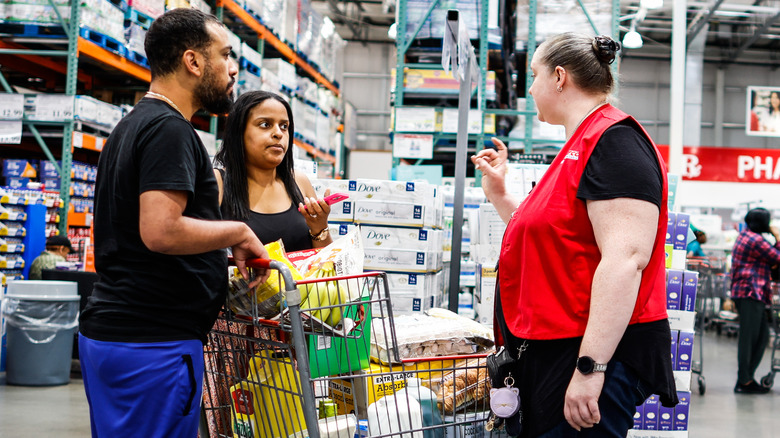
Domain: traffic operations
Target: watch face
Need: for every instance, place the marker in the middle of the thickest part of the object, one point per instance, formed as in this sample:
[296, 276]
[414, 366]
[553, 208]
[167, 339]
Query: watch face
[585, 364]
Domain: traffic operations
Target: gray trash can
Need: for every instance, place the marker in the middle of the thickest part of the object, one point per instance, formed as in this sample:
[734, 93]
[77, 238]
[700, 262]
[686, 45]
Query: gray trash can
[41, 319]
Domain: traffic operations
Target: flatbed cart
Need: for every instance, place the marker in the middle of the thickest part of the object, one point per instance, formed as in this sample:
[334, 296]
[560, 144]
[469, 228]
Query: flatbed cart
[774, 321]
[297, 376]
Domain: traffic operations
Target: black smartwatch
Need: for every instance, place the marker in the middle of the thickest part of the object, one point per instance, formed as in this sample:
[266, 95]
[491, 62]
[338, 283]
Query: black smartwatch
[586, 365]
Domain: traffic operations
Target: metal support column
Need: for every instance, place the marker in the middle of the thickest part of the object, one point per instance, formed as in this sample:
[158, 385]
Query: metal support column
[529, 101]
[464, 104]
[67, 134]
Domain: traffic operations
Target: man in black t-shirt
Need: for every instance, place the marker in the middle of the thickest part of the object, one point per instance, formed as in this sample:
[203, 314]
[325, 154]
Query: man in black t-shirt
[159, 241]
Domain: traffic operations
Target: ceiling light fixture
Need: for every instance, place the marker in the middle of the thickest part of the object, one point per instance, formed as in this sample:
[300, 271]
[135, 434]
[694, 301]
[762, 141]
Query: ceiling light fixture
[392, 32]
[651, 4]
[632, 39]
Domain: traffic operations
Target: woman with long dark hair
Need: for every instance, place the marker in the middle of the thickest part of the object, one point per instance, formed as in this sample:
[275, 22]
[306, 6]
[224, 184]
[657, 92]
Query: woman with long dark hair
[258, 184]
[751, 263]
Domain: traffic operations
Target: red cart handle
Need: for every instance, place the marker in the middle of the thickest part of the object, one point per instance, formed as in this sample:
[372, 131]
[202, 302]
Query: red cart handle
[253, 263]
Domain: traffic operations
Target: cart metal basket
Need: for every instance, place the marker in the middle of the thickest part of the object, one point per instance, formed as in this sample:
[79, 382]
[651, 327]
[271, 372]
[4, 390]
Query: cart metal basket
[297, 375]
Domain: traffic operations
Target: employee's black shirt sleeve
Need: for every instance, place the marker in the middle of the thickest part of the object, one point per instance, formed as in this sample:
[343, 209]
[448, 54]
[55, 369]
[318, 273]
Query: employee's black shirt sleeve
[623, 165]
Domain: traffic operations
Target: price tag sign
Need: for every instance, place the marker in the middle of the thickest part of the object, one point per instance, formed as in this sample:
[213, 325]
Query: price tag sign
[53, 107]
[10, 131]
[450, 121]
[415, 119]
[413, 146]
[11, 106]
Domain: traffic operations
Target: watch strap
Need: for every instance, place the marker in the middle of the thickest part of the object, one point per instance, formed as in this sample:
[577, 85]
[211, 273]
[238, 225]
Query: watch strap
[322, 235]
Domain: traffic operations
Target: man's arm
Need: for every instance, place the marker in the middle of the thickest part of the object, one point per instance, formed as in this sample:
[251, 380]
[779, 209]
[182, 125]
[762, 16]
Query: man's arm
[165, 229]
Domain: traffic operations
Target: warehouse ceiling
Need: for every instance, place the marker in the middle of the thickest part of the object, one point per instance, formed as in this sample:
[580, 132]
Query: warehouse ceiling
[742, 31]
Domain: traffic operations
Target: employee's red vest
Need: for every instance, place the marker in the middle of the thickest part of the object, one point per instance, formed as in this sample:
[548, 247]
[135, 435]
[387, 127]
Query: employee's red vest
[549, 253]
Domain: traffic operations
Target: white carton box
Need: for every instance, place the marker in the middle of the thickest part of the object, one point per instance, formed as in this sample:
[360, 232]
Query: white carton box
[340, 229]
[401, 260]
[409, 283]
[342, 211]
[416, 192]
[407, 303]
[402, 238]
[491, 226]
[404, 214]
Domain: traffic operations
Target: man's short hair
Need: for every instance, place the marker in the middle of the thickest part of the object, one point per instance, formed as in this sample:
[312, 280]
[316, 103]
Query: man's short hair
[173, 33]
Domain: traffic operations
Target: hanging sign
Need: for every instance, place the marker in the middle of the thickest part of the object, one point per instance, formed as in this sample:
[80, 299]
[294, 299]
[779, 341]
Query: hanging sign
[413, 146]
[10, 131]
[707, 163]
[763, 111]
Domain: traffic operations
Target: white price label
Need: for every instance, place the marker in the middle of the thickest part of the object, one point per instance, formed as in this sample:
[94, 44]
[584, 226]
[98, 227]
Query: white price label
[450, 121]
[11, 106]
[413, 146]
[415, 119]
[53, 107]
[10, 131]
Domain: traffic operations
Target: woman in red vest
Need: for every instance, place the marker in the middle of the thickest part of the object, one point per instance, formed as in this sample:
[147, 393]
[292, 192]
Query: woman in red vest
[582, 264]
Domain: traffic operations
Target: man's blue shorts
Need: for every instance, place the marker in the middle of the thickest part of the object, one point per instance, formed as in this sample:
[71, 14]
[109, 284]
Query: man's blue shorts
[143, 389]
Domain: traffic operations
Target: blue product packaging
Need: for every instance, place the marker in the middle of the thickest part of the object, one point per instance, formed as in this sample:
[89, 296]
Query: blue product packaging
[681, 410]
[674, 280]
[688, 297]
[675, 334]
[665, 417]
[684, 351]
[651, 413]
[639, 417]
[670, 227]
[680, 239]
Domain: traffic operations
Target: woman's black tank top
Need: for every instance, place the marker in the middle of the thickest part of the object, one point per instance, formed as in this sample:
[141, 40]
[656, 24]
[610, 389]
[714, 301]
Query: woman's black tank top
[289, 225]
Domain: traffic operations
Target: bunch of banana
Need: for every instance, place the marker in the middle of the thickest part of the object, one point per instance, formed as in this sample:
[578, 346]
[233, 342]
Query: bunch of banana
[325, 294]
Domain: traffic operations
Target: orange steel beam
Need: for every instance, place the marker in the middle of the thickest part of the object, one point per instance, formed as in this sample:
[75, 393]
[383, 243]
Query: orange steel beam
[314, 151]
[100, 54]
[264, 33]
[49, 63]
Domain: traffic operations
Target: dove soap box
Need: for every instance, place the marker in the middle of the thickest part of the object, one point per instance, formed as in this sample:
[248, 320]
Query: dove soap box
[401, 260]
[404, 214]
[415, 192]
[674, 284]
[681, 410]
[684, 351]
[650, 421]
[402, 238]
[688, 297]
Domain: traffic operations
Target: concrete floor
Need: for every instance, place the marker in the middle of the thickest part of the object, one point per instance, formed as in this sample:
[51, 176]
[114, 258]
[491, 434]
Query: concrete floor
[62, 411]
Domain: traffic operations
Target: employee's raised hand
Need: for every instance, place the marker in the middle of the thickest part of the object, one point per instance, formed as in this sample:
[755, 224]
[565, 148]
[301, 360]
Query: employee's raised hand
[492, 164]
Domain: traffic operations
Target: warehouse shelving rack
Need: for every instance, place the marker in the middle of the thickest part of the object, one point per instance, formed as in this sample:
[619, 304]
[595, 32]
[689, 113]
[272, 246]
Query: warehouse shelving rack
[78, 47]
[404, 43]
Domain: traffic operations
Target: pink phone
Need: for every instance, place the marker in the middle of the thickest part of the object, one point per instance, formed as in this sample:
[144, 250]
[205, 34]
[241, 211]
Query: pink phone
[336, 197]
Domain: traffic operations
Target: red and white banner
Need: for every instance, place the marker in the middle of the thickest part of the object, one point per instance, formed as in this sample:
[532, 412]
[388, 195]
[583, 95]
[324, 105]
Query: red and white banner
[707, 163]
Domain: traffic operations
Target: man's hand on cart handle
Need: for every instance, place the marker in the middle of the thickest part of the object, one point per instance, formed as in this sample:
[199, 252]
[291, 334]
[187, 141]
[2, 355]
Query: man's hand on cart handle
[249, 249]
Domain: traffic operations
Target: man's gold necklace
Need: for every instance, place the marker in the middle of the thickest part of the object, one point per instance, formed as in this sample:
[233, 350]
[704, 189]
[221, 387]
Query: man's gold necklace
[165, 98]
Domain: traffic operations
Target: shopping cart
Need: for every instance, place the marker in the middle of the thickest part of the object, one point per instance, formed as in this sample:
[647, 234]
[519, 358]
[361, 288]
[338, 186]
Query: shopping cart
[298, 376]
[774, 321]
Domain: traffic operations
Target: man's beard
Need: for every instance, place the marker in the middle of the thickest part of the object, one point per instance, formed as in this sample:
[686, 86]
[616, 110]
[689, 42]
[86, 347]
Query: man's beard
[211, 97]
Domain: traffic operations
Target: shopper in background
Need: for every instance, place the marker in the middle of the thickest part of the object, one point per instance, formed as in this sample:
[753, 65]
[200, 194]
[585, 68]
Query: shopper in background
[751, 263]
[57, 249]
[258, 184]
[694, 248]
[159, 241]
[582, 264]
